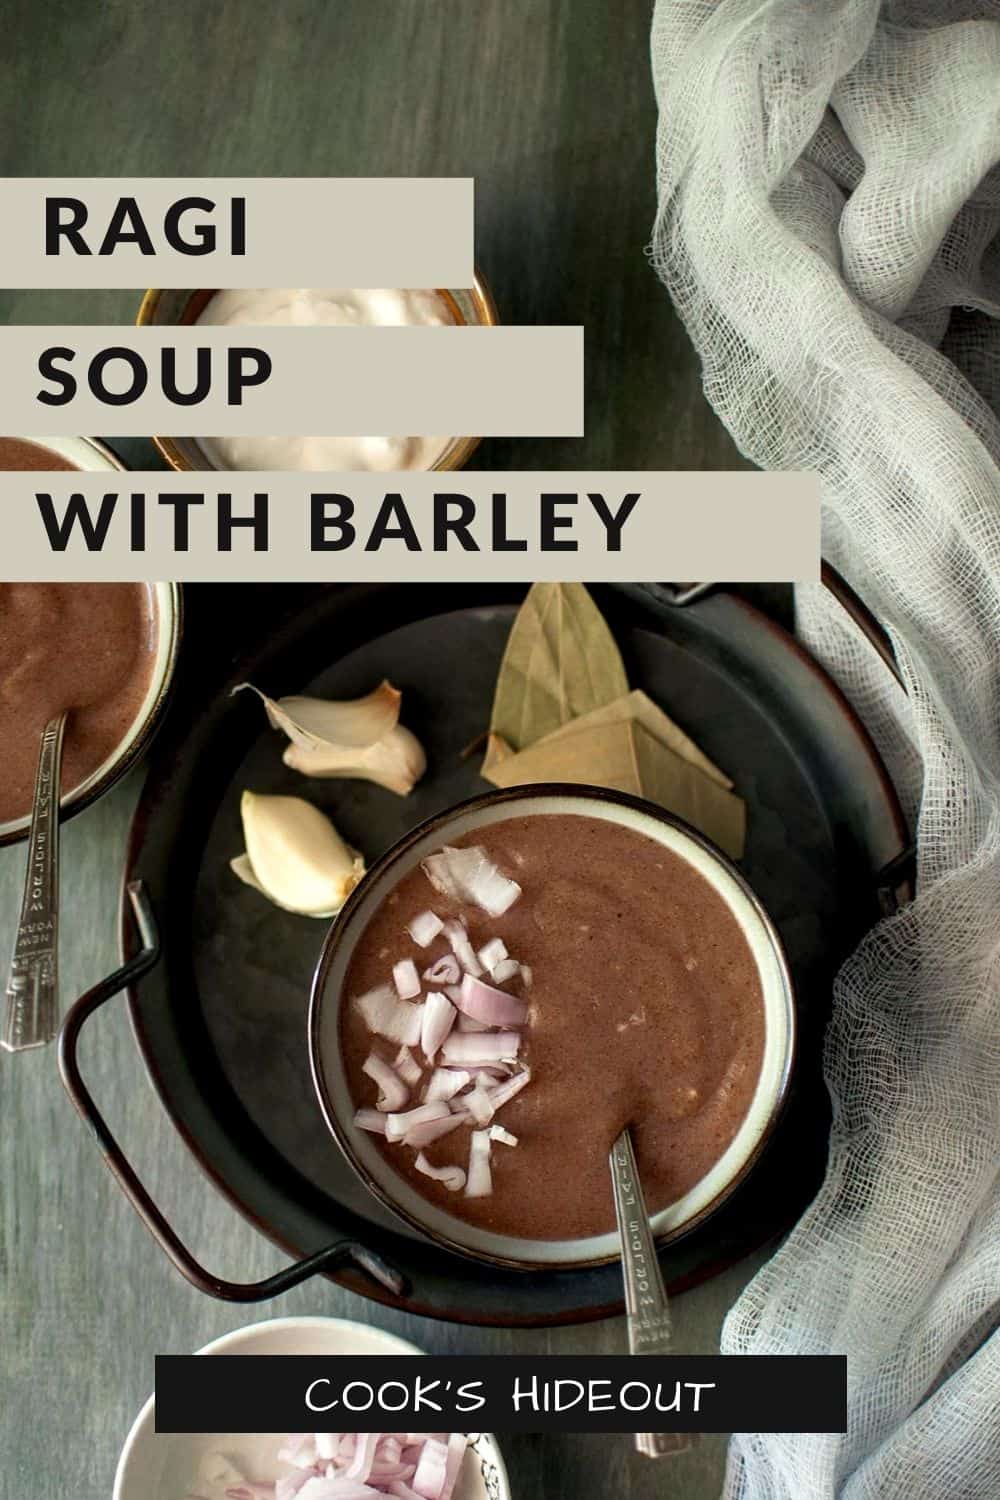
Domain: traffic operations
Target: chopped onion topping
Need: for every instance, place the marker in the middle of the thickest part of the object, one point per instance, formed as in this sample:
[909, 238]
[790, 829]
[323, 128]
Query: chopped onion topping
[438, 1019]
[384, 1013]
[452, 1177]
[478, 1103]
[301, 1450]
[364, 1456]
[503, 1093]
[468, 1030]
[479, 1183]
[481, 1047]
[470, 875]
[432, 1470]
[358, 1466]
[461, 947]
[466, 1023]
[420, 1136]
[406, 979]
[406, 1065]
[493, 1007]
[444, 970]
[289, 1485]
[393, 1092]
[492, 953]
[445, 1083]
[457, 1444]
[398, 1126]
[504, 971]
[424, 928]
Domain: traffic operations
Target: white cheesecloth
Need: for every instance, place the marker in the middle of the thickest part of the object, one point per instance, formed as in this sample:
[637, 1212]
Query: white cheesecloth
[829, 228]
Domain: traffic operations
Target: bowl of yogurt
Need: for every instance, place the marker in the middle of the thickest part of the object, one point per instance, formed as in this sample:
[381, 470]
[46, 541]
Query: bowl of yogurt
[517, 981]
[316, 307]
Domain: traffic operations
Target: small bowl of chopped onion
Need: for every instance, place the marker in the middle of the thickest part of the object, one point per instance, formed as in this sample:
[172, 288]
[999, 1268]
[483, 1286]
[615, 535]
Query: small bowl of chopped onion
[519, 979]
[307, 1466]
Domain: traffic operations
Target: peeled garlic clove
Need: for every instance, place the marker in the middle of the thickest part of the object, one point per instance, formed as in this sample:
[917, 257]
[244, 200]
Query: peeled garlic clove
[397, 761]
[362, 738]
[315, 722]
[242, 868]
[295, 856]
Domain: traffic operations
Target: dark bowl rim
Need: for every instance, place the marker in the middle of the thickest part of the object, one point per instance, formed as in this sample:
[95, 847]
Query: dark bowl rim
[335, 936]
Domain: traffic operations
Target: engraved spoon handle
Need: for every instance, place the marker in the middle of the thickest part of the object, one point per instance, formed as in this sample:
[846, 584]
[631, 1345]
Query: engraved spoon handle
[646, 1307]
[33, 980]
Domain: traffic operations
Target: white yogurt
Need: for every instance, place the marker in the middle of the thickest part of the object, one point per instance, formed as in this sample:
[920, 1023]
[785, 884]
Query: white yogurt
[311, 308]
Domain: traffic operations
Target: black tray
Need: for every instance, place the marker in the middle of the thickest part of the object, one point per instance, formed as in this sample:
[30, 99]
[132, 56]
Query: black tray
[221, 1021]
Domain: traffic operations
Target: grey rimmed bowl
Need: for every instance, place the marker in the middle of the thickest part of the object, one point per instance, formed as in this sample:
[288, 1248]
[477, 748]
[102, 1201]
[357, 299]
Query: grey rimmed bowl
[328, 998]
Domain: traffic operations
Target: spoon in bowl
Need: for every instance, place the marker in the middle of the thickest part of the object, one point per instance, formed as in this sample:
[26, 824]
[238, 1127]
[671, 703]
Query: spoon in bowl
[646, 1308]
[33, 981]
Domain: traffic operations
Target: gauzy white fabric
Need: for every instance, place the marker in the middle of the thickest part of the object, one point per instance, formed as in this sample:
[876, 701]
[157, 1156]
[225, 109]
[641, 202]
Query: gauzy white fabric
[829, 208]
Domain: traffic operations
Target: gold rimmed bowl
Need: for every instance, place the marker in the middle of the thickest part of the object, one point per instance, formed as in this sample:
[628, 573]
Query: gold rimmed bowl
[470, 307]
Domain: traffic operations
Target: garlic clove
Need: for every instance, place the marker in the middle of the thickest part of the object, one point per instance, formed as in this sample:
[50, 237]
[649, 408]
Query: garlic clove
[361, 738]
[295, 856]
[242, 868]
[397, 761]
[315, 722]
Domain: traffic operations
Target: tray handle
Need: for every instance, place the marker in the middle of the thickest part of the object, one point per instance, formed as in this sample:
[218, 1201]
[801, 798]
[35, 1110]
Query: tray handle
[681, 594]
[340, 1253]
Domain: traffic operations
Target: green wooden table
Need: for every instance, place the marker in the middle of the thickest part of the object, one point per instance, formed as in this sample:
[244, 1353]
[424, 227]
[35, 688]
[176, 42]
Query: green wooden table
[548, 104]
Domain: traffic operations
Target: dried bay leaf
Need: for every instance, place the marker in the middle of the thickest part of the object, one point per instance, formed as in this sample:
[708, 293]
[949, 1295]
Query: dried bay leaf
[637, 706]
[563, 712]
[561, 661]
[625, 757]
[497, 750]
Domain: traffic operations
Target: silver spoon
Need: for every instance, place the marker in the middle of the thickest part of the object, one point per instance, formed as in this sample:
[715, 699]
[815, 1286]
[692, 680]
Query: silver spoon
[646, 1307]
[33, 981]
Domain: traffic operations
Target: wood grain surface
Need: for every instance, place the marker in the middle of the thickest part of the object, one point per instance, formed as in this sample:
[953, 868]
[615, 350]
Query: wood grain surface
[548, 104]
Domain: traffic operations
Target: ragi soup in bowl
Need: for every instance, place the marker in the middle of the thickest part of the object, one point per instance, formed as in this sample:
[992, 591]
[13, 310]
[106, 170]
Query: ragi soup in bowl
[520, 979]
[105, 652]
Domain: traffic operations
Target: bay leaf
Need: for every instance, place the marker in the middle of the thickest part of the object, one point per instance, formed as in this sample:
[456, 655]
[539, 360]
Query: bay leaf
[561, 661]
[497, 749]
[636, 705]
[625, 757]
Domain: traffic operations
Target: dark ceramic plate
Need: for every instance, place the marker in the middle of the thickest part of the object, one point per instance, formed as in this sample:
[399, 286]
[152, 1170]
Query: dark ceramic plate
[221, 1020]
